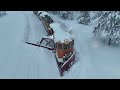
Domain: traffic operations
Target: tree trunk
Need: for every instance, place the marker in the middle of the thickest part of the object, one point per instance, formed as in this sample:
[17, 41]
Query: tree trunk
[109, 41]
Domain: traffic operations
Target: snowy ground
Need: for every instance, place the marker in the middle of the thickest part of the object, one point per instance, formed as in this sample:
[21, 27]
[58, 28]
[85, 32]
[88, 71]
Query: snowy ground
[20, 60]
[95, 58]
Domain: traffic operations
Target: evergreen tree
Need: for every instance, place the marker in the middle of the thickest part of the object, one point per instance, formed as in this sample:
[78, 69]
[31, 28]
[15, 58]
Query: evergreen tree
[63, 14]
[84, 17]
[109, 24]
[97, 14]
[70, 14]
[54, 12]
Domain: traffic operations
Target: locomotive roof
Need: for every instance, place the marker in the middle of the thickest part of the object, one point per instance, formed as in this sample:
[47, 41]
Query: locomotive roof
[59, 33]
[43, 13]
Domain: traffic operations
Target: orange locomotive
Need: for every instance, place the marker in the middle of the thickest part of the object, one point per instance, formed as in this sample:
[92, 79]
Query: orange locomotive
[58, 40]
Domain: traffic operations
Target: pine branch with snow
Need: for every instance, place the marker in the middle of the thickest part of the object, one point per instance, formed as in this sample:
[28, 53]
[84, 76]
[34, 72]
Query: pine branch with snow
[84, 17]
[109, 24]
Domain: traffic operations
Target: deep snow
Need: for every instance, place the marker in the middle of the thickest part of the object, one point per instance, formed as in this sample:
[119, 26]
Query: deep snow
[94, 58]
[18, 59]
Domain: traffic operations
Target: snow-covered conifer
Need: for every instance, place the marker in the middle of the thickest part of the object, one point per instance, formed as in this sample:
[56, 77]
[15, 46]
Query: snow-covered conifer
[84, 17]
[109, 24]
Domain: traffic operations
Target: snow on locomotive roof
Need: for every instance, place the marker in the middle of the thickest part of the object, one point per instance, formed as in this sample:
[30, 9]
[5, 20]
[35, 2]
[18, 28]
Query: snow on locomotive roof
[59, 33]
[40, 11]
[43, 13]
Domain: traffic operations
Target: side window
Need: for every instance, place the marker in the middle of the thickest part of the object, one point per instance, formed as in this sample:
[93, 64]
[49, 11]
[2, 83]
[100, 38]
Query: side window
[66, 46]
[69, 45]
[59, 46]
[73, 42]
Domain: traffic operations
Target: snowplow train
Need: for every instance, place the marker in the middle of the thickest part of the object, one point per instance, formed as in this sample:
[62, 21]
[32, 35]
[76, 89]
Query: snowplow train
[57, 40]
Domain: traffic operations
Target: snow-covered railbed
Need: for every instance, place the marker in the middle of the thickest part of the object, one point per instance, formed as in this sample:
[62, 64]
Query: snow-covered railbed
[18, 59]
[95, 59]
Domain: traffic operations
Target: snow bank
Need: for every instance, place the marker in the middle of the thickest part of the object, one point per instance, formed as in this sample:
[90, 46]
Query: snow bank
[95, 59]
[19, 60]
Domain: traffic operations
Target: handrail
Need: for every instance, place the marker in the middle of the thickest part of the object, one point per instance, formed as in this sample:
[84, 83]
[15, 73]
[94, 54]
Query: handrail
[68, 59]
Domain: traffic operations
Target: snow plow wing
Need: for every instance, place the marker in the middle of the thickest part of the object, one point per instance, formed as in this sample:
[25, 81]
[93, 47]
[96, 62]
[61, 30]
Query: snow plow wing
[47, 43]
[66, 66]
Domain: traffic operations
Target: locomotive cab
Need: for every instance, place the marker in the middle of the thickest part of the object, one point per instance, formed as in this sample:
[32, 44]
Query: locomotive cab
[64, 50]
